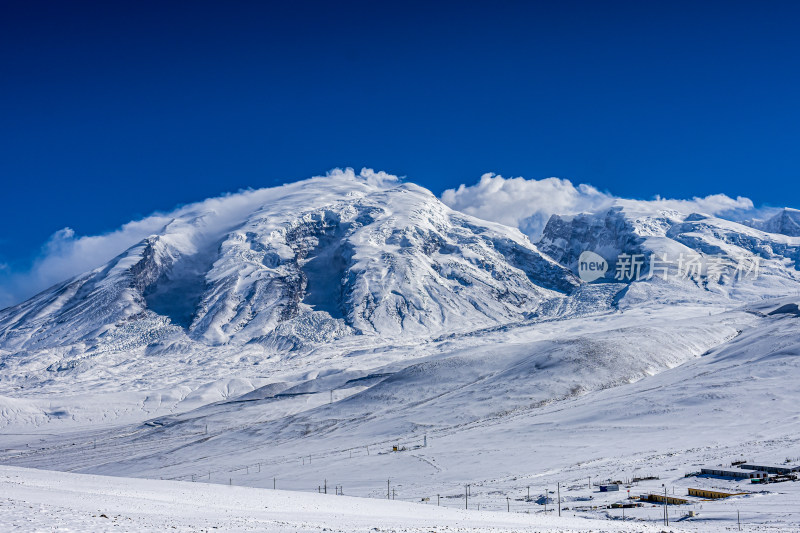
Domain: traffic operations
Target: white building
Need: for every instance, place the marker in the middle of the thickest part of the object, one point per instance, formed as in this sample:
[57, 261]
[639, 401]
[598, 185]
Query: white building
[739, 473]
[772, 469]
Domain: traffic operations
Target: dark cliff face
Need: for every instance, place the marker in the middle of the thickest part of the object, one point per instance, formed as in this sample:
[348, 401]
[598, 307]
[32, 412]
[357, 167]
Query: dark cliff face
[726, 251]
[787, 222]
[607, 234]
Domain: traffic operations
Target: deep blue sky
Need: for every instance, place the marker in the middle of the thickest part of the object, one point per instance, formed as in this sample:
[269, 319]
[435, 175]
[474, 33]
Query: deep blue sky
[111, 110]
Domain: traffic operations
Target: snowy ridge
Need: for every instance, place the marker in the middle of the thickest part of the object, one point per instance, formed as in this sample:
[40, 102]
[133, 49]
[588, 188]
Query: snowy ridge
[673, 235]
[786, 222]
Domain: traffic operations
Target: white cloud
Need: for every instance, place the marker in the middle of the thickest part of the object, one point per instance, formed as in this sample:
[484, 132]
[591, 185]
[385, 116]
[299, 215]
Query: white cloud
[529, 203]
[526, 204]
[376, 179]
[713, 204]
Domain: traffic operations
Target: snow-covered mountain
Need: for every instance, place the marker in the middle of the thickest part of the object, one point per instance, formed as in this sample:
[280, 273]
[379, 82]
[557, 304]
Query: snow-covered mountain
[359, 258]
[338, 316]
[305, 264]
[786, 222]
[680, 256]
[388, 261]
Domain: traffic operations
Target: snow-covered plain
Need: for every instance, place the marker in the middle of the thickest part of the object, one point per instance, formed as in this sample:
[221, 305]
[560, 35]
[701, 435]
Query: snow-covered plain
[39, 500]
[295, 343]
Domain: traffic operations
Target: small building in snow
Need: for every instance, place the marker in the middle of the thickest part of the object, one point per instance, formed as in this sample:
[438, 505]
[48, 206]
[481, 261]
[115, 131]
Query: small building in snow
[737, 473]
[772, 469]
[660, 498]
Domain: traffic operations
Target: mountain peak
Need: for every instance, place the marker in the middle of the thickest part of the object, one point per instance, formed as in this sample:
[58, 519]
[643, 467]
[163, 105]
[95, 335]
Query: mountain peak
[309, 261]
[786, 222]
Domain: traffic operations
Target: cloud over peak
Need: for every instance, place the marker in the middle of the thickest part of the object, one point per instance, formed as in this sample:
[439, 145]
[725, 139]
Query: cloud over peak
[529, 203]
[524, 203]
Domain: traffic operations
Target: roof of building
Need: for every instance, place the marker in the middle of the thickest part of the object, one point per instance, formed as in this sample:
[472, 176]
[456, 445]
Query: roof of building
[767, 465]
[732, 469]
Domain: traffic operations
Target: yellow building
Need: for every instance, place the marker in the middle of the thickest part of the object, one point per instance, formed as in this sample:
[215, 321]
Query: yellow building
[712, 494]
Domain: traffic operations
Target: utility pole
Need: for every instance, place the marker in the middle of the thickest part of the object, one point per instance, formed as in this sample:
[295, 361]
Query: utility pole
[546, 492]
[387, 489]
[392, 493]
[325, 487]
[466, 496]
[559, 498]
[437, 500]
[273, 483]
[666, 508]
[508, 504]
[738, 521]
